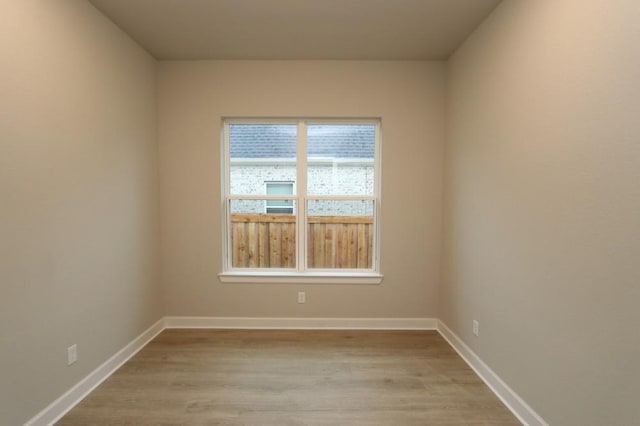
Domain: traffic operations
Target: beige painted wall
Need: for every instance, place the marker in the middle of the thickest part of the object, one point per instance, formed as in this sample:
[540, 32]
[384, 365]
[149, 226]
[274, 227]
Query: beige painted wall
[193, 96]
[542, 211]
[78, 198]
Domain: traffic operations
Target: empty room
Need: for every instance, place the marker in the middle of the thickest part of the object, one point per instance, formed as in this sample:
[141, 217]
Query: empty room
[320, 212]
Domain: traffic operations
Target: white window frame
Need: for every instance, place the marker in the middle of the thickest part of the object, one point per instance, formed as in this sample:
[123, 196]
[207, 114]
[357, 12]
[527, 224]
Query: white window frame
[301, 274]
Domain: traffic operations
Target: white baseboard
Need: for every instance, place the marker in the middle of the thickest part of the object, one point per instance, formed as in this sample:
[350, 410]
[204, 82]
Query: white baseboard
[303, 323]
[512, 400]
[69, 399]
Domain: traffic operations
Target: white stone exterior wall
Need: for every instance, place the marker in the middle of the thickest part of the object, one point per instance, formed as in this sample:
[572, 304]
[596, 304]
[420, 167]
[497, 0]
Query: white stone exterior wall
[324, 179]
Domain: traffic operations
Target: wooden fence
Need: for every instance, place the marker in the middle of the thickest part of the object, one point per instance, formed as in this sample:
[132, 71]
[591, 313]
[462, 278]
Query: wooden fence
[269, 241]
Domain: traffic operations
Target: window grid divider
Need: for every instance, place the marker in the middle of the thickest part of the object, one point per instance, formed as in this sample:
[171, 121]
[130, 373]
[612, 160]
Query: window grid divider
[301, 172]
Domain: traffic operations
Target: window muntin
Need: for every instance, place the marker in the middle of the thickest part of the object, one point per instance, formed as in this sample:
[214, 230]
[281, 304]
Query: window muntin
[330, 175]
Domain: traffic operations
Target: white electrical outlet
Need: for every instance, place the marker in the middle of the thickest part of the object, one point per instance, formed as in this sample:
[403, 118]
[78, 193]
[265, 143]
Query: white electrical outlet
[476, 328]
[302, 297]
[72, 354]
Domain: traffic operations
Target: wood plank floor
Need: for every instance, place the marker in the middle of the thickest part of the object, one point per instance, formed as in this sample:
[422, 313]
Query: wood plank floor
[260, 377]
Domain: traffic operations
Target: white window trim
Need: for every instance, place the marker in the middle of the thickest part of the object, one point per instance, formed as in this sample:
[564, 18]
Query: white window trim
[288, 277]
[299, 275]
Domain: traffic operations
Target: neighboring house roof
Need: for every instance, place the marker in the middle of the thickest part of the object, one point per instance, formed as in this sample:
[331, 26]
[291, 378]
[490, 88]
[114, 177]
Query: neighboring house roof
[279, 141]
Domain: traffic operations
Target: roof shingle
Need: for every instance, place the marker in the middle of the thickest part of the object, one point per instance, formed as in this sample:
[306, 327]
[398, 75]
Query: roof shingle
[323, 141]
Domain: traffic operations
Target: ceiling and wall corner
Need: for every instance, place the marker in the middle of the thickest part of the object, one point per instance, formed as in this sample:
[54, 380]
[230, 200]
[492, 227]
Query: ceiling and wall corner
[294, 29]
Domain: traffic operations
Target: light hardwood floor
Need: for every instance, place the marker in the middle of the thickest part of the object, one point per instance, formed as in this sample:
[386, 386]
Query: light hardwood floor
[259, 377]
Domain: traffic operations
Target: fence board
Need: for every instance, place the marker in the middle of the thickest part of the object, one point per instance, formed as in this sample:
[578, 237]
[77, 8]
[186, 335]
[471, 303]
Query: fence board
[352, 248]
[288, 246]
[362, 246]
[329, 247]
[311, 249]
[274, 245]
[253, 245]
[263, 245]
[369, 246]
[318, 244]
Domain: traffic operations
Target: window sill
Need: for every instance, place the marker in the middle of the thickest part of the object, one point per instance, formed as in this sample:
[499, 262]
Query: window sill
[280, 277]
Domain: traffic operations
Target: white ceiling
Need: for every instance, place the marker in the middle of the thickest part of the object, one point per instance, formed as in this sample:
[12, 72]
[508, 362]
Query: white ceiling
[298, 29]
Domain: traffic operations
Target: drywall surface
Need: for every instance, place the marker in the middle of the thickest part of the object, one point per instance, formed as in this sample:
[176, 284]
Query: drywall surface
[542, 206]
[192, 99]
[78, 198]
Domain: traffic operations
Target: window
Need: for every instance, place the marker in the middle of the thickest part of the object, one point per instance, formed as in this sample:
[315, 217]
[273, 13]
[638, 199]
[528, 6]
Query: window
[279, 206]
[301, 200]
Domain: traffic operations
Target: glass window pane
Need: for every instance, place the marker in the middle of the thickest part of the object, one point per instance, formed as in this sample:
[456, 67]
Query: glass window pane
[261, 240]
[340, 234]
[260, 153]
[340, 159]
